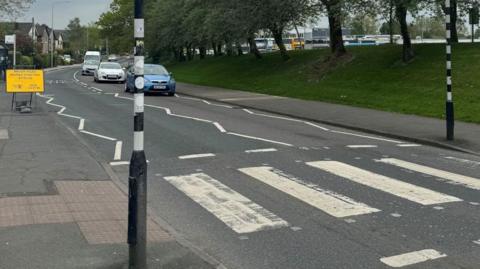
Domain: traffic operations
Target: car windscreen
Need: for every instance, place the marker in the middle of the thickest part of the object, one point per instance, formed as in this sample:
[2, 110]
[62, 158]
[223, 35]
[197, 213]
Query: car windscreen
[92, 58]
[155, 70]
[92, 62]
[110, 66]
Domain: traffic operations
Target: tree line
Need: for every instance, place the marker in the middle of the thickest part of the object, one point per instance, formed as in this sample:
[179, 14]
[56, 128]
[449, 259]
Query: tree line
[184, 29]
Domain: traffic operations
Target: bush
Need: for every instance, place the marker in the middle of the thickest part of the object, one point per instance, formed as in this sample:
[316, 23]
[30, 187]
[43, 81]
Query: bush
[24, 61]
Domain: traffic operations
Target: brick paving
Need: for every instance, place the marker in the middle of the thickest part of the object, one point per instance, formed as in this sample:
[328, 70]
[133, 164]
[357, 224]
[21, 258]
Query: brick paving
[99, 208]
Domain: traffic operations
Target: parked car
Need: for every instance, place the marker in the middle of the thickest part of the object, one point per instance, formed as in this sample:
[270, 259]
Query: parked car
[157, 80]
[67, 59]
[109, 71]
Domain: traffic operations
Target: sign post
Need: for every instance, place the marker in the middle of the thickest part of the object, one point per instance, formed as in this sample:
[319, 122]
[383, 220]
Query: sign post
[449, 105]
[137, 193]
[12, 40]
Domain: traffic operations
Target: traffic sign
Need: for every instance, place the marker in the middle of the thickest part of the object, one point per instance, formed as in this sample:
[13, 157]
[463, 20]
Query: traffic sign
[25, 81]
[10, 39]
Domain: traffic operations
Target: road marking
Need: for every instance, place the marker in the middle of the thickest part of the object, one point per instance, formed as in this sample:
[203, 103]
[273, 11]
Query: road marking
[408, 145]
[451, 178]
[100, 90]
[383, 183]
[97, 135]
[361, 146]
[332, 203]
[367, 136]
[252, 98]
[235, 210]
[261, 139]
[4, 134]
[219, 127]
[119, 163]
[81, 125]
[260, 150]
[203, 101]
[196, 156]
[287, 119]
[75, 76]
[118, 151]
[411, 258]
[463, 160]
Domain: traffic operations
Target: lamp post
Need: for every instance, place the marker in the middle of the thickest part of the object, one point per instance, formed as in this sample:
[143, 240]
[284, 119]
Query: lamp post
[137, 181]
[52, 41]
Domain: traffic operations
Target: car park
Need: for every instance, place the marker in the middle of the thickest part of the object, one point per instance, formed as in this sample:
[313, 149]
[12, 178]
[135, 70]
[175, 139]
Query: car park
[157, 80]
[109, 71]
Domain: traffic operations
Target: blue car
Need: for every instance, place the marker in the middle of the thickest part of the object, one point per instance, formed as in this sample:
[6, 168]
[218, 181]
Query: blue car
[157, 80]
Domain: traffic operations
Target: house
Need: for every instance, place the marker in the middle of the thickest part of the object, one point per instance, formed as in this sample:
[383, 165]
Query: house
[42, 34]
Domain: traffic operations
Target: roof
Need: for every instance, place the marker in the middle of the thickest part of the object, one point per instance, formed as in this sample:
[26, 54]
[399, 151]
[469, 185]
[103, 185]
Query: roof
[19, 27]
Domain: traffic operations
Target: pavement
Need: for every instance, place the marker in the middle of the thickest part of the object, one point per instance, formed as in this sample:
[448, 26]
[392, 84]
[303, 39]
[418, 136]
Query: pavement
[250, 189]
[60, 207]
[400, 126]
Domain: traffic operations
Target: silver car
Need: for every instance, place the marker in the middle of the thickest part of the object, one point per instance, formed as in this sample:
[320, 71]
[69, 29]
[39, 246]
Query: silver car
[89, 67]
[109, 71]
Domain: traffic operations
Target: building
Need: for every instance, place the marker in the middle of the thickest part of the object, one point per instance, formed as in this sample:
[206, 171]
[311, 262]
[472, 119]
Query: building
[42, 35]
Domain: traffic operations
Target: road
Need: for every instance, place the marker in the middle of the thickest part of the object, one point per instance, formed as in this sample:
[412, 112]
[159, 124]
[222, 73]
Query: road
[261, 191]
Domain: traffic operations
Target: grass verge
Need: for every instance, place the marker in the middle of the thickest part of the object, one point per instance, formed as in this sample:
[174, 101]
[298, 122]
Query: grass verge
[371, 77]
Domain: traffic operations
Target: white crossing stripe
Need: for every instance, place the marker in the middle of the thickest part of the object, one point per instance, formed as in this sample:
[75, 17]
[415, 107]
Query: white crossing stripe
[4, 134]
[412, 258]
[408, 145]
[386, 184]
[260, 150]
[361, 146]
[235, 210]
[330, 202]
[451, 178]
[196, 156]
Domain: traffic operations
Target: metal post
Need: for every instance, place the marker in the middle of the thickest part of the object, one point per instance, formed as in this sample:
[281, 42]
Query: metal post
[137, 197]
[449, 104]
[52, 40]
[14, 51]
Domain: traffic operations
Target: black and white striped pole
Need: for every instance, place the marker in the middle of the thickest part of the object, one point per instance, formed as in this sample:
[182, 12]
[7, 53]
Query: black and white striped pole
[449, 105]
[137, 196]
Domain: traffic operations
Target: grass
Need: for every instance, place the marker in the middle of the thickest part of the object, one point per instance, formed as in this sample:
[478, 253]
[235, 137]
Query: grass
[375, 78]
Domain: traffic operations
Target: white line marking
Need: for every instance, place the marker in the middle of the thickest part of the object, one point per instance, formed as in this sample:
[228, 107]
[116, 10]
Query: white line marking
[4, 134]
[100, 136]
[332, 203]
[75, 76]
[408, 145]
[118, 151]
[219, 127]
[100, 90]
[203, 101]
[119, 163]
[316, 126]
[196, 156]
[286, 118]
[361, 146]
[81, 125]
[261, 139]
[383, 183]
[260, 150]
[235, 210]
[451, 178]
[252, 98]
[412, 258]
[367, 136]
[463, 160]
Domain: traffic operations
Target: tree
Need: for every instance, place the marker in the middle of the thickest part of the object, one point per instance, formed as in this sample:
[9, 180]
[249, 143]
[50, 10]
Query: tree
[117, 25]
[362, 24]
[334, 13]
[12, 8]
[401, 10]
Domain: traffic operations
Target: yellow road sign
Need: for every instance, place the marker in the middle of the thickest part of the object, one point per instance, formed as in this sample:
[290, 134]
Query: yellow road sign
[25, 81]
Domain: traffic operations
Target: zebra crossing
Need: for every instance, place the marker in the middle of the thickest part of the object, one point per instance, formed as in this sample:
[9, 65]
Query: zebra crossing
[244, 216]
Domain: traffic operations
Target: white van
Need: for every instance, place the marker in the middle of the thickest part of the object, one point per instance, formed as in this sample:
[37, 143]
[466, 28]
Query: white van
[90, 62]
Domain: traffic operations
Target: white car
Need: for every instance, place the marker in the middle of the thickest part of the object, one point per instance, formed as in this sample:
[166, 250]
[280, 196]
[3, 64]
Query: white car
[89, 67]
[108, 71]
[113, 58]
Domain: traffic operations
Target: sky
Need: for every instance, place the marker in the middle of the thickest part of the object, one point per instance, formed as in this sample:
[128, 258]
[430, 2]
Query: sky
[87, 10]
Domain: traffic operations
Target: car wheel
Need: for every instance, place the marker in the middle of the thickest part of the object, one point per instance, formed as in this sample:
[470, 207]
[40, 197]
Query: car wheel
[171, 94]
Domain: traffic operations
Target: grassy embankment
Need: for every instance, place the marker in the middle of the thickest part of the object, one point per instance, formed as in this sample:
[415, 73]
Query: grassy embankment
[374, 78]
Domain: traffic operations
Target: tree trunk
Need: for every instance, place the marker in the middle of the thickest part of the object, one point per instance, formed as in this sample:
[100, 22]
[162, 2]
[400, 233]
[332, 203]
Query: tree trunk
[203, 52]
[189, 52]
[408, 53]
[219, 49]
[335, 25]
[239, 48]
[229, 48]
[390, 21]
[253, 47]
[278, 36]
[214, 47]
